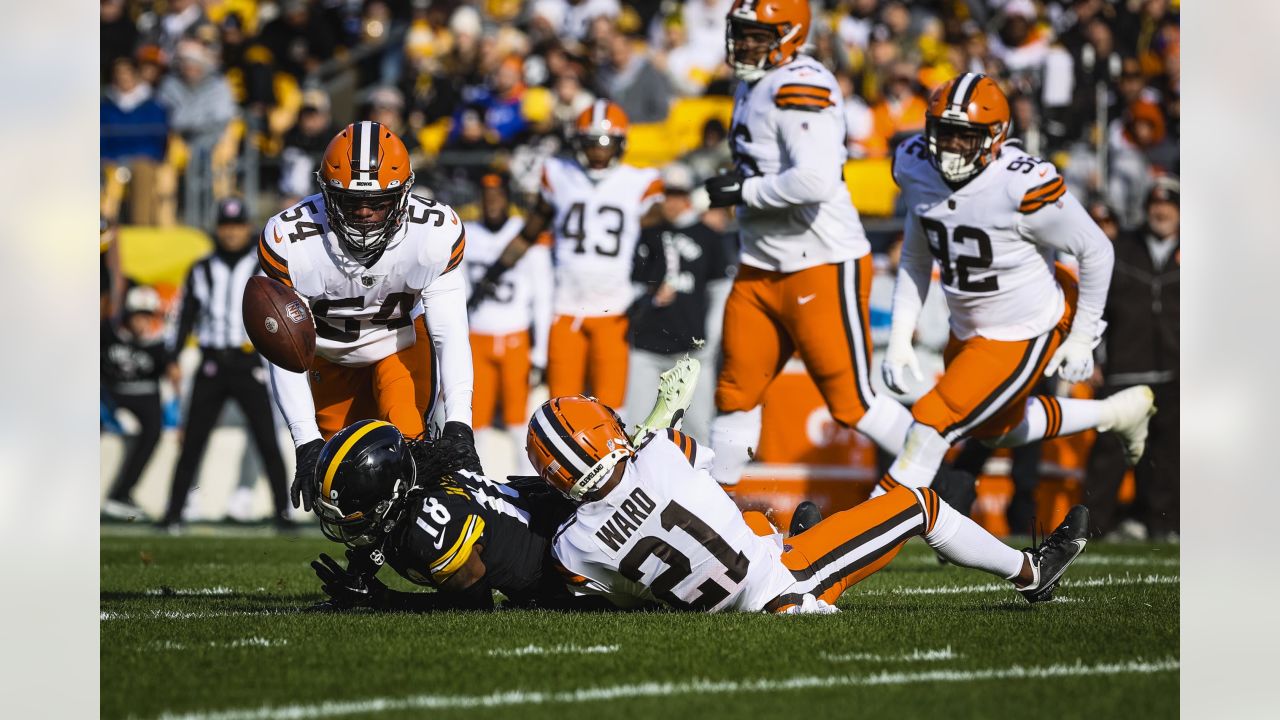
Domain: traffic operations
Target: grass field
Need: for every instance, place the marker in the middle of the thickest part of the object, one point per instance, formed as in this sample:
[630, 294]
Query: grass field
[208, 626]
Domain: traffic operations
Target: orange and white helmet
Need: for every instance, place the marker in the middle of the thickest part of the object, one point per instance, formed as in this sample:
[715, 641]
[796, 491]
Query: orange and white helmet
[966, 124]
[786, 20]
[366, 166]
[575, 442]
[603, 125]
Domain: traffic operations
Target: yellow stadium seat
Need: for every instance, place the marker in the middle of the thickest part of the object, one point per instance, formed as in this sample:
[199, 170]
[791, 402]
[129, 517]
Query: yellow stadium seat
[871, 186]
[153, 255]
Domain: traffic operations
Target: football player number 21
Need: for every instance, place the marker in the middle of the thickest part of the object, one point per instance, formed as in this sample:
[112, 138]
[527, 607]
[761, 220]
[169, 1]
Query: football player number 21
[967, 250]
[710, 592]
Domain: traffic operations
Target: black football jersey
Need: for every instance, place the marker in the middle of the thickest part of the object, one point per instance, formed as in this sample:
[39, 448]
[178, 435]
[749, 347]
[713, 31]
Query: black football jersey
[511, 525]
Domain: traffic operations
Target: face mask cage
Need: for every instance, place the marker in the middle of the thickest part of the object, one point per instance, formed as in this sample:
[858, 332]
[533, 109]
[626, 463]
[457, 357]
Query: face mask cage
[735, 33]
[958, 149]
[585, 140]
[365, 238]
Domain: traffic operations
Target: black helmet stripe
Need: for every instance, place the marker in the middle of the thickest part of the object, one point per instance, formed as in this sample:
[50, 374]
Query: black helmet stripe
[962, 90]
[558, 443]
[365, 148]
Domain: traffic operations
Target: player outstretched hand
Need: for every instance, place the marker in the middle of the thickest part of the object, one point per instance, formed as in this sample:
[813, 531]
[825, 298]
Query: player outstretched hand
[345, 589]
[898, 360]
[1073, 360]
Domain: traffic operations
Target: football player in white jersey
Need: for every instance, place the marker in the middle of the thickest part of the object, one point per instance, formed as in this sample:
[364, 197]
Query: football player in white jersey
[652, 525]
[805, 280]
[509, 326]
[594, 205]
[376, 265]
[992, 216]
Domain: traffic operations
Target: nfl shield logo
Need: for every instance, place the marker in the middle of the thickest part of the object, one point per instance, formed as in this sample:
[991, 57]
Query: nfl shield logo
[296, 311]
[369, 280]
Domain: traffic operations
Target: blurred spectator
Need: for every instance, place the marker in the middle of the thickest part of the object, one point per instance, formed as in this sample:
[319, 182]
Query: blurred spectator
[247, 64]
[152, 64]
[135, 133]
[900, 112]
[299, 39]
[542, 141]
[118, 34]
[304, 145]
[632, 81]
[230, 369]
[676, 262]
[198, 97]
[858, 121]
[572, 18]
[386, 106]
[181, 19]
[501, 101]
[1020, 43]
[132, 361]
[1141, 348]
[854, 28]
[712, 154]
[1139, 152]
[570, 98]
[694, 41]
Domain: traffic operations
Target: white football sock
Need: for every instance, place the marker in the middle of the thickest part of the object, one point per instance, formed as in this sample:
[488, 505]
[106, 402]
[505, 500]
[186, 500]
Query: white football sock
[886, 422]
[1049, 417]
[921, 457]
[963, 542]
[732, 434]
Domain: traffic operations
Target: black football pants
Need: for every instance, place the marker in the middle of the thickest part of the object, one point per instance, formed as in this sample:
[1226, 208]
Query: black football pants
[146, 408]
[223, 375]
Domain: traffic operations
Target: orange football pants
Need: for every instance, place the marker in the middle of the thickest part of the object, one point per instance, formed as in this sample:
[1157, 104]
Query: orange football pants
[588, 353]
[847, 547]
[822, 313]
[400, 389]
[501, 365]
[984, 390]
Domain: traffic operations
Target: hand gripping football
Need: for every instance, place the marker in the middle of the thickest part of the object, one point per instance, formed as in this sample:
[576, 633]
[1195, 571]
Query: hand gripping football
[279, 324]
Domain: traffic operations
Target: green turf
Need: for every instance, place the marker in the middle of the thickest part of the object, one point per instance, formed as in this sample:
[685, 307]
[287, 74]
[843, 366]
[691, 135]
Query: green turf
[243, 646]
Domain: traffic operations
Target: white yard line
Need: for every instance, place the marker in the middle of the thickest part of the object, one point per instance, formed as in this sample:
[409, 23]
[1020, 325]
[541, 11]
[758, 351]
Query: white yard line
[668, 689]
[916, 655]
[253, 642]
[167, 591]
[554, 650]
[1069, 583]
[108, 615]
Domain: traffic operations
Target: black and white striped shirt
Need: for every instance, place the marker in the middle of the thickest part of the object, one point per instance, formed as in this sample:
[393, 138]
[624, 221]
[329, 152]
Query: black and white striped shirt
[211, 301]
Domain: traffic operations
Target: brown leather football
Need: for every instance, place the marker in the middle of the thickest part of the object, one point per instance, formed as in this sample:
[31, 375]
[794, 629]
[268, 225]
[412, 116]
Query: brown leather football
[279, 323]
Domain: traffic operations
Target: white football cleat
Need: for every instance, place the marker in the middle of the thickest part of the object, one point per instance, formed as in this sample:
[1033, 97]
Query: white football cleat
[1129, 413]
[675, 393]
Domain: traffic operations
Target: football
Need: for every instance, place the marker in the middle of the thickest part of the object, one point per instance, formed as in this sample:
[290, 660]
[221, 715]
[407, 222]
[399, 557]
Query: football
[279, 323]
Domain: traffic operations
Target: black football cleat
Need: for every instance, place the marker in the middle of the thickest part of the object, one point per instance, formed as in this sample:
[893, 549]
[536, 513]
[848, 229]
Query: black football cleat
[805, 516]
[1052, 557]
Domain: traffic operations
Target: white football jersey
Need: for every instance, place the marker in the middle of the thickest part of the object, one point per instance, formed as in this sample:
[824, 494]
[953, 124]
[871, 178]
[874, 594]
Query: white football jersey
[363, 314]
[996, 271]
[792, 116]
[511, 307]
[596, 228]
[668, 533]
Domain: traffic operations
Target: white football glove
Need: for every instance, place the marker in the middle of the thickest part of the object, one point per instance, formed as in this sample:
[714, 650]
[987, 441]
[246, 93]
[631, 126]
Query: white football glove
[1073, 360]
[898, 359]
[811, 605]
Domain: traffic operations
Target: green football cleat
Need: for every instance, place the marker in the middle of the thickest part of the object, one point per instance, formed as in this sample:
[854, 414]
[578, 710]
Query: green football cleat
[675, 392]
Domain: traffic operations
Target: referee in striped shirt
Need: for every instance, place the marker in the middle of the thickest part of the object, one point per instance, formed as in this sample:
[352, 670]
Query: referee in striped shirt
[229, 366]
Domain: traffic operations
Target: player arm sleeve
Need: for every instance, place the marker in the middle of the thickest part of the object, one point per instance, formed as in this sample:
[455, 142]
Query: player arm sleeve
[444, 303]
[186, 318]
[540, 271]
[292, 394]
[1061, 222]
[814, 175]
[914, 269]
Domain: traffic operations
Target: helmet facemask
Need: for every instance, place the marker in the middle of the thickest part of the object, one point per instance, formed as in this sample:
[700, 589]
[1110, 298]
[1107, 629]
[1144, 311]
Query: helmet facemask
[585, 141]
[360, 527]
[735, 34]
[365, 239]
[959, 149]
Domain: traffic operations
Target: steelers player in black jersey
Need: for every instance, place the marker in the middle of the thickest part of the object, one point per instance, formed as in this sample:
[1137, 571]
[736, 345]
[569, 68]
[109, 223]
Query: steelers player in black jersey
[402, 502]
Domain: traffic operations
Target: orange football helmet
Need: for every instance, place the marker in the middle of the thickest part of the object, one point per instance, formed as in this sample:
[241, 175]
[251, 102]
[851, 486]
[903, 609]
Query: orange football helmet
[786, 20]
[575, 442]
[603, 125]
[365, 178]
[966, 124]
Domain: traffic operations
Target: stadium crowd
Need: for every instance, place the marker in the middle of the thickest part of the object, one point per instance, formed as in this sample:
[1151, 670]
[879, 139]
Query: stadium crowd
[209, 99]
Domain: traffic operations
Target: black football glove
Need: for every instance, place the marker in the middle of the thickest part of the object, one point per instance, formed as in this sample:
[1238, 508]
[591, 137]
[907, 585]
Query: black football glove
[457, 444]
[346, 589]
[304, 486]
[725, 190]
